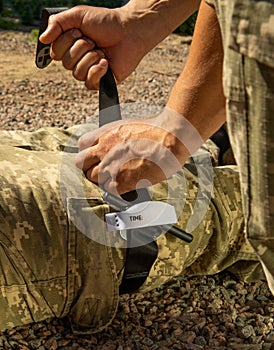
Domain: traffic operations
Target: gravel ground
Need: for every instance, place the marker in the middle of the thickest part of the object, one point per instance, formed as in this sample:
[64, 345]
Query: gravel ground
[208, 312]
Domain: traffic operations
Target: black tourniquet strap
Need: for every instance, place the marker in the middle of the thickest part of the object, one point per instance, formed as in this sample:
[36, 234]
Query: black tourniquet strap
[139, 259]
[108, 97]
[142, 250]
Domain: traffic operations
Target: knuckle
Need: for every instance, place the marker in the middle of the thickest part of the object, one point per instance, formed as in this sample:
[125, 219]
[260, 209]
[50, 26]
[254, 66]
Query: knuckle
[77, 162]
[83, 45]
[78, 75]
[54, 54]
[90, 85]
[81, 144]
[67, 64]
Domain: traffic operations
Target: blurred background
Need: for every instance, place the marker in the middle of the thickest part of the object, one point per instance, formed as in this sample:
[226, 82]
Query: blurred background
[17, 13]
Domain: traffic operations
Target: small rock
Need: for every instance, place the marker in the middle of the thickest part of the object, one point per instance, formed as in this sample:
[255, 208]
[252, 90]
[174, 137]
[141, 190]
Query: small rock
[188, 337]
[247, 331]
[200, 340]
[147, 341]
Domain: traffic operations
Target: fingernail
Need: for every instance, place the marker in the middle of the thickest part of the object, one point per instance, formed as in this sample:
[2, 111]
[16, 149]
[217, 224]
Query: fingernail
[90, 41]
[100, 53]
[76, 34]
[103, 63]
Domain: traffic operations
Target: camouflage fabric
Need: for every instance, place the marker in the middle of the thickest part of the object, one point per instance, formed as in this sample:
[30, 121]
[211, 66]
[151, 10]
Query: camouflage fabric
[248, 37]
[49, 269]
[51, 265]
[219, 240]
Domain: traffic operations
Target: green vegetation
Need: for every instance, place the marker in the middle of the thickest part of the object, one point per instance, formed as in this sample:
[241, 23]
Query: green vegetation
[187, 27]
[7, 24]
[34, 35]
[27, 12]
[7, 18]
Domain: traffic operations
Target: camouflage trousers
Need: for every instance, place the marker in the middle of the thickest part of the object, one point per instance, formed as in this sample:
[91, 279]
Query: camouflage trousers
[56, 259]
[248, 38]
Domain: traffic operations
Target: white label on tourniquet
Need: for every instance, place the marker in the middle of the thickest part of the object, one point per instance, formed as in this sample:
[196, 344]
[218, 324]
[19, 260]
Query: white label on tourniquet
[145, 214]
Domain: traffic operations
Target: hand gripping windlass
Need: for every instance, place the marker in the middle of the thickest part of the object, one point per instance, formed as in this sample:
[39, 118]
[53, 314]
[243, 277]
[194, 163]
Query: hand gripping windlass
[134, 213]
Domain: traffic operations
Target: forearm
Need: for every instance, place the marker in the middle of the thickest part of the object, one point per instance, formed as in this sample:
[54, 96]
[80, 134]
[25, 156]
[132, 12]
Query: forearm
[198, 92]
[154, 20]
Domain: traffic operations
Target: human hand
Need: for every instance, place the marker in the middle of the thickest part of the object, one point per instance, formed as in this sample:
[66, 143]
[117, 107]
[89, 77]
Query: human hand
[86, 39]
[129, 154]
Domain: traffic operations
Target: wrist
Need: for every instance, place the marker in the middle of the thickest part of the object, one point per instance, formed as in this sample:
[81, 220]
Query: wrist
[150, 21]
[183, 139]
[141, 25]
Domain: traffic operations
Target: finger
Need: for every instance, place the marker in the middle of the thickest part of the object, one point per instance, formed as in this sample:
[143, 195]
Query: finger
[88, 139]
[62, 22]
[86, 159]
[104, 180]
[109, 177]
[63, 43]
[95, 175]
[115, 188]
[95, 73]
[77, 51]
[81, 69]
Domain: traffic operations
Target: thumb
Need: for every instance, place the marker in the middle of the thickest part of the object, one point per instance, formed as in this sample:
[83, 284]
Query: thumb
[62, 22]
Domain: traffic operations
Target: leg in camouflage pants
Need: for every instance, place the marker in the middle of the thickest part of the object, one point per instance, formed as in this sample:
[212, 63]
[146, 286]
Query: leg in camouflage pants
[248, 39]
[49, 265]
